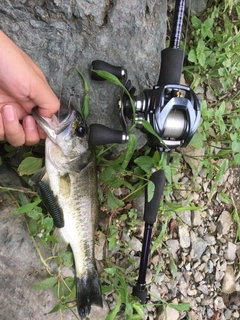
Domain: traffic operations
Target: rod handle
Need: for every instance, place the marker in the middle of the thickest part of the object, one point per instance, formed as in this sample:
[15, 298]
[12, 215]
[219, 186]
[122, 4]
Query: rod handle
[171, 66]
[151, 208]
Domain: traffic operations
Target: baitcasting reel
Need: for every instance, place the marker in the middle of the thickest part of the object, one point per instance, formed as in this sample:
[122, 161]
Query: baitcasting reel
[173, 110]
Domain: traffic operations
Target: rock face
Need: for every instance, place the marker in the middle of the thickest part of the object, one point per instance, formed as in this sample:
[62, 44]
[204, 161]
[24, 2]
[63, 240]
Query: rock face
[20, 267]
[61, 36]
[64, 35]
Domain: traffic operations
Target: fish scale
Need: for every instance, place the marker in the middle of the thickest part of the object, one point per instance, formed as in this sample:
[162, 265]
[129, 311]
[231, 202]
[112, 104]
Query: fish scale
[71, 176]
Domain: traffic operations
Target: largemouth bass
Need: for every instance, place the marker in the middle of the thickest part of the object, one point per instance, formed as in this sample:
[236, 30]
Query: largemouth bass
[71, 181]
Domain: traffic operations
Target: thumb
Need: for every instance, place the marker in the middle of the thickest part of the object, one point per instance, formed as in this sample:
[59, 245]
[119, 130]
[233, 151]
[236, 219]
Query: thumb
[45, 99]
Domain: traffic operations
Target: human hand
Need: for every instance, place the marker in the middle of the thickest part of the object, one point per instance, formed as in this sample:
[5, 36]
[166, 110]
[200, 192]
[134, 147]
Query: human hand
[22, 87]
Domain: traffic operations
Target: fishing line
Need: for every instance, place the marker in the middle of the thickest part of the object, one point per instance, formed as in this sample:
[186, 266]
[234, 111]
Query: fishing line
[65, 38]
[187, 26]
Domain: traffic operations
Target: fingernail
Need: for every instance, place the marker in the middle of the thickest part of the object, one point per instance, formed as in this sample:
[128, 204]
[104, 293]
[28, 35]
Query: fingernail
[8, 112]
[30, 123]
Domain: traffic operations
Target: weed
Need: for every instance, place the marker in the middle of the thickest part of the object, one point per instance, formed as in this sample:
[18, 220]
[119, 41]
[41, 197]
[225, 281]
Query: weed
[213, 61]
[212, 53]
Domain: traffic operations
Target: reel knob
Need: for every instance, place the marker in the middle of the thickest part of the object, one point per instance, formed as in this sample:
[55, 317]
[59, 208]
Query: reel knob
[101, 135]
[119, 72]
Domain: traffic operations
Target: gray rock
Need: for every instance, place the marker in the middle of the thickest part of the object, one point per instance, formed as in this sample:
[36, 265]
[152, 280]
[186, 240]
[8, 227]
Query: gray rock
[196, 8]
[99, 245]
[229, 281]
[62, 36]
[184, 237]
[198, 246]
[225, 220]
[197, 218]
[231, 251]
[185, 216]
[174, 247]
[203, 288]
[20, 266]
[135, 244]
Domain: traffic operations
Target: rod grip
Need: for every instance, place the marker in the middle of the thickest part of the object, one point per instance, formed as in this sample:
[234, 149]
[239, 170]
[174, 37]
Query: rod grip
[101, 135]
[171, 66]
[105, 66]
[151, 208]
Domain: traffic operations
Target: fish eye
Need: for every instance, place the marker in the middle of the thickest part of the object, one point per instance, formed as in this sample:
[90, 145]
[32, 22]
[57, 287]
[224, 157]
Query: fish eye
[80, 131]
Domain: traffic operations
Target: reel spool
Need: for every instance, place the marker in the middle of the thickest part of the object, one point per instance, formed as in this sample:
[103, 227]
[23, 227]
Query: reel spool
[172, 110]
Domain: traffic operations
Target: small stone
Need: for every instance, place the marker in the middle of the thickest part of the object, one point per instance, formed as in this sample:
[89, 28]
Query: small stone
[149, 276]
[199, 246]
[210, 313]
[212, 227]
[67, 272]
[231, 251]
[191, 156]
[99, 245]
[220, 270]
[185, 216]
[235, 314]
[197, 218]
[135, 244]
[203, 288]
[210, 95]
[155, 290]
[229, 281]
[169, 312]
[99, 313]
[209, 266]
[225, 220]
[183, 288]
[198, 276]
[210, 240]
[228, 314]
[219, 304]
[184, 237]
[173, 246]
[192, 292]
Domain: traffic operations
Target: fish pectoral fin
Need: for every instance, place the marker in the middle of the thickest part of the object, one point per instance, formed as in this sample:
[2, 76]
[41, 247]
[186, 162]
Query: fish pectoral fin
[38, 176]
[50, 203]
[62, 244]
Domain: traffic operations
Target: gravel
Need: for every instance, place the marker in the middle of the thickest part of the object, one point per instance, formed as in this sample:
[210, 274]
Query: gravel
[201, 242]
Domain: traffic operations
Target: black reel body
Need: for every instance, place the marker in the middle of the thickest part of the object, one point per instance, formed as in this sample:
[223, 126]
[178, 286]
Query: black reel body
[172, 110]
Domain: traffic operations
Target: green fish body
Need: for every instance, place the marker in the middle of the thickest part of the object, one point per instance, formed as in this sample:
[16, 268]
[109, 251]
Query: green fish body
[72, 180]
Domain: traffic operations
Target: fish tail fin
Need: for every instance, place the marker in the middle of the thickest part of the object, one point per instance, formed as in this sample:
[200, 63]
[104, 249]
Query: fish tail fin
[88, 292]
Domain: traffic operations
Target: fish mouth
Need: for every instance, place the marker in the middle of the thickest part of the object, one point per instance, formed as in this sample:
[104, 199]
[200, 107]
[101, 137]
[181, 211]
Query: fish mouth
[52, 126]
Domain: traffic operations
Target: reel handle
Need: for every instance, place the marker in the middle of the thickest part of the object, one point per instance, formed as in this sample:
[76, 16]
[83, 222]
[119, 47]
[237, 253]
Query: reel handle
[119, 72]
[101, 135]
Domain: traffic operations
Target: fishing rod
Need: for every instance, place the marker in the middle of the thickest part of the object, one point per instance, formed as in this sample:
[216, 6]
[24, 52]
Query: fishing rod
[172, 109]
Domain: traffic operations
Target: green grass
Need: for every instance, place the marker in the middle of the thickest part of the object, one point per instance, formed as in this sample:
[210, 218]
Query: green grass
[213, 61]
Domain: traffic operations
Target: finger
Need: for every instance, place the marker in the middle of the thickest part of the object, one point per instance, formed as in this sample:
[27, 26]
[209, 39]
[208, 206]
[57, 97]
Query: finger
[31, 131]
[2, 134]
[41, 132]
[13, 130]
[21, 113]
[43, 97]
